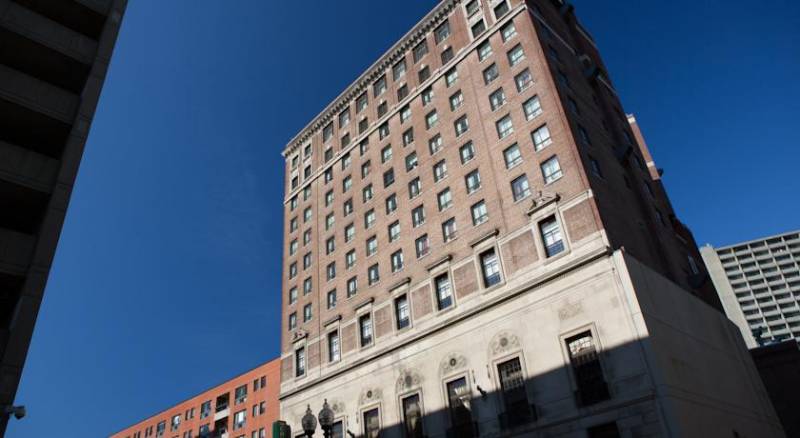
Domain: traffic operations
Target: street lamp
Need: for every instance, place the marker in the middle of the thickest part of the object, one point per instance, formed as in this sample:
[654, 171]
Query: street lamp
[326, 419]
[309, 422]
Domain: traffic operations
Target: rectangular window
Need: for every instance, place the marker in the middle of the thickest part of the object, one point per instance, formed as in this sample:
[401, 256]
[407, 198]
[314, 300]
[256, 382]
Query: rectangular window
[515, 398]
[240, 394]
[373, 274]
[399, 70]
[449, 229]
[388, 178]
[505, 127]
[451, 77]
[478, 28]
[361, 102]
[520, 188]
[332, 299]
[595, 165]
[473, 181]
[411, 161]
[424, 74]
[402, 92]
[418, 216]
[334, 353]
[205, 409]
[447, 55]
[435, 144]
[532, 108]
[292, 321]
[439, 170]
[391, 204]
[461, 125]
[501, 9]
[327, 132]
[508, 31]
[344, 118]
[420, 50]
[442, 32]
[551, 170]
[427, 96]
[307, 286]
[349, 232]
[405, 114]
[307, 312]
[412, 417]
[484, 51]
[365, 329]
[350, 259]
[414, 188]
[408, 137]
[490, 267]
[383, 108]
[352, 286]
[394, 231]
[479, 213]
[379, 87]
[523, 80]
[466, 152]
[472, 7]
[402, 312]
[369, 219]
[456, 100]
[490, 74]
[432, 119]
[512, 156]
[541, 138]
[383, 130]
[444, 295]
[586, 368]
[497, 99]
[372, 246]
[551, 236]
[516, 55]
[422, 246]
[330, 271]
[444, 199]
[300, 362]
[458, 403]
[372, 423]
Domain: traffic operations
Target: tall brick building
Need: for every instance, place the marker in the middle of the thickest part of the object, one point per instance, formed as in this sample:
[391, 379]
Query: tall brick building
[477, 242]
[54, 56]
[242, 407]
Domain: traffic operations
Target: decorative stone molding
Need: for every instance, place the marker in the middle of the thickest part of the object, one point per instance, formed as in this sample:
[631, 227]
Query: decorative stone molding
[541, 200]
[502, 343]
[569, 309]
[337, 406]
[488, 235]
[446, 259]
[370, 395]
[452, 363]
[299, 335]
[408, 379]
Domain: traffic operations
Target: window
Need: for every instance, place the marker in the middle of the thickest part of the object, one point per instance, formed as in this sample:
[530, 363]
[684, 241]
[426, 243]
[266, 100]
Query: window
[347, 182]
[551, 170]
[383, 108]
[350, 259]
[541, 137]
[573, 106]
[444, 295]
[386, 153]
[473, 181]
[461, 125]
[293, 224]
[383, 130]
[205, 430]
[427, 96]
[402, 92]
[328, 154]
[292, 295]
[442, 32]
[373, 274]
[490, 74]
[586, 368]
[551, 236]
[458, 403]
[352, 286]
[432, 119]
[451, 77]
[520, 188]
[414, 188]
[418, 216]
[205, 409]
[584, 136]
[369, 219]
[447, 55]
[347, 207]
[402, 313]
[365, 329]
[391, 204]
[411, 161]
[330, 219]
[160, 428]
[553, 53]
[412, 417]
[379, 87]
[241, 394]
[175, 423]
[334, 353]
[479, 213]
[327, 132]
[512, 388]
[388, 178]
[523, 80]
[307, 214]
[330, 245]
[563, 79]
[501, 9]
[372, 423]
[307, 261]
[478, 28]
[449, 229]
[516, 55]
[505, 127]
[472, 7]
[435, 144]
[497, 99]
[293, 247]
[466, 152]
[439, 170]
[595, 166]
[363, 147]
[405, 114]
[408, 137]
[331, 299]
[394, 231]
[372, 246]
[512, 156]
[484, 51]
[307, 286]
[330, 271]
[420, 50]
[300, 362]
[532, 108]
[456, 100]
[445, 199]
[399, 69]
[349, 232]
[361, 102]
[490, 267]
[293, 270]
[328, 201]
[424, 74]
[344, 118]
[328, 176]
[293, 203]
[508, 31]
[422, 246]
[397, 261]
[307, 314]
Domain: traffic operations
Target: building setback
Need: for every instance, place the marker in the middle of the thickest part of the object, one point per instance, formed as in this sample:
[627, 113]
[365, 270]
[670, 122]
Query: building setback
[54, 56]
[478, 243]
[243, 407]
[759, 285]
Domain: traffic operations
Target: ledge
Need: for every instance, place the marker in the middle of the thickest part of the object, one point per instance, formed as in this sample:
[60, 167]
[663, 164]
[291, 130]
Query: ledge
[441, 261]
[486, 236]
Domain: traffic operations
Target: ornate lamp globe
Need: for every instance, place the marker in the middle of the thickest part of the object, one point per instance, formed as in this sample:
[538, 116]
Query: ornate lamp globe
[309, 422]
[326, 416]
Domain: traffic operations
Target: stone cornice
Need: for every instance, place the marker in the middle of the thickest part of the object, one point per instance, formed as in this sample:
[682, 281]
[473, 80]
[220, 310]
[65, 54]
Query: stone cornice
[385, 62]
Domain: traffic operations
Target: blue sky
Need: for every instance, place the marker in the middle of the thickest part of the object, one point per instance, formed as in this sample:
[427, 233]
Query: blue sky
[167, 276]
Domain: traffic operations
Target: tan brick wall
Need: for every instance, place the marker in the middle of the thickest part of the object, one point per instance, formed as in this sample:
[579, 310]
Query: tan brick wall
[519, 252]
[466, 280]
[383, 321]
[421, 301]
[581, 220]
[348, 334]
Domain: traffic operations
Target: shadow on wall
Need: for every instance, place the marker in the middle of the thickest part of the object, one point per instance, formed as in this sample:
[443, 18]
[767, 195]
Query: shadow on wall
[600, 394]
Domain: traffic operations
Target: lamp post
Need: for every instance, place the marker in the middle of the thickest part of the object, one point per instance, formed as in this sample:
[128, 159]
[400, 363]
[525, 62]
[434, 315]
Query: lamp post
[326, 419]
[309, 422]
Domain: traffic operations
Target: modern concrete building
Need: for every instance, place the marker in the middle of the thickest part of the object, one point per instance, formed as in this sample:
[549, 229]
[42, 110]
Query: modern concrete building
[54, 56]
[242, 407]
[478, 243]
[759, 285]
